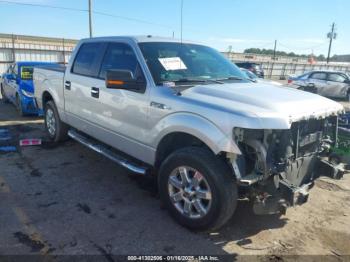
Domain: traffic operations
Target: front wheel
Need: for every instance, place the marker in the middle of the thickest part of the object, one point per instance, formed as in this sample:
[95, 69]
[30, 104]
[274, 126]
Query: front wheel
[55, 128]
[19, 106]
[197, 188]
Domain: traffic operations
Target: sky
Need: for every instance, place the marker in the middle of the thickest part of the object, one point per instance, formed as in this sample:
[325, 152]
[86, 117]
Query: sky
[299, 26]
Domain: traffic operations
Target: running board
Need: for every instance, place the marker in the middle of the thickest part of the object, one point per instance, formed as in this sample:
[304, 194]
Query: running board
[103, 150]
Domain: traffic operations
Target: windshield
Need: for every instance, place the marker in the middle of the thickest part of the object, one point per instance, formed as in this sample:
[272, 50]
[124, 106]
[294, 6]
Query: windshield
[172, 62]
[26, 72]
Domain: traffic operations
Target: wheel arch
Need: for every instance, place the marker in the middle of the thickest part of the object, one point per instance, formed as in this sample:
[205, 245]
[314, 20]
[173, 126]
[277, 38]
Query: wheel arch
[174, 141]
[196, 127]
[46, 97]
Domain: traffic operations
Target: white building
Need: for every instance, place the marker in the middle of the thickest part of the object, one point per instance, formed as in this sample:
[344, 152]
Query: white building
[32, 48]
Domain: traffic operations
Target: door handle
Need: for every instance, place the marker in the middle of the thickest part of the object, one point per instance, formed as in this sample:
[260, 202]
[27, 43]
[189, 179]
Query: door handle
[67, 85]
[95, 92]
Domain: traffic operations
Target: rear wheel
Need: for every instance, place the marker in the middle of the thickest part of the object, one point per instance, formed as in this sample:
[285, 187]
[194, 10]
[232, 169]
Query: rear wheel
[55, 128]
[197, 188]
[4, 98]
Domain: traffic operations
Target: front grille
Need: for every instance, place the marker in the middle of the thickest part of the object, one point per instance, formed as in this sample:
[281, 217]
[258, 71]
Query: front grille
[307, 135]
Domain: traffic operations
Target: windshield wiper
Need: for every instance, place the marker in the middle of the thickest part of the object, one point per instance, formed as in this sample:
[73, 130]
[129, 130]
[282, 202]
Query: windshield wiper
[191, 80]
[230, 78]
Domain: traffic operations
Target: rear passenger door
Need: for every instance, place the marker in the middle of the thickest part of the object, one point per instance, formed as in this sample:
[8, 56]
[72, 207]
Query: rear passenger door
[318, 81]
[78, 83]
[114, 116]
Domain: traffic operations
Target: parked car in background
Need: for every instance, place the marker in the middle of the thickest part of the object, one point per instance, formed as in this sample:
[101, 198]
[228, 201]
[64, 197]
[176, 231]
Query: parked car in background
[17, 86]
[253, 77]
[326, 83]
[253, 67]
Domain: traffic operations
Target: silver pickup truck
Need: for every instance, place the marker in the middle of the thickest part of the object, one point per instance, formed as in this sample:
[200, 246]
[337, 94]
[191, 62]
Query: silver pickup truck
[182, 112]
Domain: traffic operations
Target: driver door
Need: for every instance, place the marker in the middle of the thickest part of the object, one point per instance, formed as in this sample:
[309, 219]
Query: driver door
[318, 82]
[337, 85]
[10, 85]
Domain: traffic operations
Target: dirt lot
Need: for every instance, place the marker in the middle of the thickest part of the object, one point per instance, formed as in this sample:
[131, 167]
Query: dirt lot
[70, 200]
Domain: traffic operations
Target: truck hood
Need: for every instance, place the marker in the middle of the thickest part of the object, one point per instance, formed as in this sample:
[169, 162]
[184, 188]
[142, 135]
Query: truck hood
[265, 101]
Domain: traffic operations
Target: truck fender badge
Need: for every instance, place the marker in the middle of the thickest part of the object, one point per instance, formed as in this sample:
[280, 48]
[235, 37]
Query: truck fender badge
[159, 105]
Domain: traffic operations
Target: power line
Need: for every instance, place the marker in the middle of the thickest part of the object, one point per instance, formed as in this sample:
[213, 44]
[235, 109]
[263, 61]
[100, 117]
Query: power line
[86, 10]
[131, 19]
[303, 48]
[45, 6]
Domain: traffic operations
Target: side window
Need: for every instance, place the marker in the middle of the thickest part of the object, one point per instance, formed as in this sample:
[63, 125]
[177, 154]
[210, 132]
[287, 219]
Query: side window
[120, 56]
[319, 76]
[15, 70]
[304, 76]
[9, 70]
[87, 59]
[336, 78]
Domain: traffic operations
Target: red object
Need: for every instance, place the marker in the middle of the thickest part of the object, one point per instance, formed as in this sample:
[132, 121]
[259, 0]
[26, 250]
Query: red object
[290, 81]
[30, 142]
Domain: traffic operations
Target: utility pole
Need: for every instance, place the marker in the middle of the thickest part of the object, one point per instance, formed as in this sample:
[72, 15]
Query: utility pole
[90, 18]
[331, 35]
[182, 7]
[274, 50]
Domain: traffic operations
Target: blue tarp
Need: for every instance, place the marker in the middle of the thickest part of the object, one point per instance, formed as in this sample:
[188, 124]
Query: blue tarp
[4, 135]
[8, 148]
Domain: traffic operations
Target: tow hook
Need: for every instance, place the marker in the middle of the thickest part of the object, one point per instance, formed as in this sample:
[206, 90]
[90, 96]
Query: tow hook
[265, 204]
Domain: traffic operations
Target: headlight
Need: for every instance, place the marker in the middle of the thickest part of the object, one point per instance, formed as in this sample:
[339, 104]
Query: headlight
[27, 94]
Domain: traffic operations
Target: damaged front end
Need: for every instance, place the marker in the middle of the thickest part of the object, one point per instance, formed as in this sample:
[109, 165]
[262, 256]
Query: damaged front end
[277, 168]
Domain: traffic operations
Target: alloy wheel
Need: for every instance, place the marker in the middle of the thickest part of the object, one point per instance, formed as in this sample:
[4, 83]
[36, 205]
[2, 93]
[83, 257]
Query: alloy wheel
[51, 122]
[189, 192]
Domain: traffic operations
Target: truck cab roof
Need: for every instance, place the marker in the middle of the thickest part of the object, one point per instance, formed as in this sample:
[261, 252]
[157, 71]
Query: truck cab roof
[138, 39]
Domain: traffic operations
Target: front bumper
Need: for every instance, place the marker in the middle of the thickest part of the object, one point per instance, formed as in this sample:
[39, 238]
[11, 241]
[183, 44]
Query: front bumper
[276, 195]
[29, 106]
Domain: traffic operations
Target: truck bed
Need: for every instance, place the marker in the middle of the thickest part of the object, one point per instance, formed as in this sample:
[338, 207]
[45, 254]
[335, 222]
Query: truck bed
[49, 78]
[57, 68]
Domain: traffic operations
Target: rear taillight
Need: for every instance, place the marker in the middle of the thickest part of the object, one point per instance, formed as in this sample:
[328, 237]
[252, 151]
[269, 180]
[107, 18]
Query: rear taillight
[290, 81]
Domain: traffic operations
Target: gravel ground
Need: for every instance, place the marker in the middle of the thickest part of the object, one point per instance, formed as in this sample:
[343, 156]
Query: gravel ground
[66, 199]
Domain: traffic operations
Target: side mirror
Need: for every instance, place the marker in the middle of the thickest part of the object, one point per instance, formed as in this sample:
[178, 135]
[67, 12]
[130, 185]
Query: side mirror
[124, 79]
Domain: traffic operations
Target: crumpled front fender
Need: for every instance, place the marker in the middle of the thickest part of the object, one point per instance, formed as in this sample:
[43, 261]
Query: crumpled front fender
[199, 127]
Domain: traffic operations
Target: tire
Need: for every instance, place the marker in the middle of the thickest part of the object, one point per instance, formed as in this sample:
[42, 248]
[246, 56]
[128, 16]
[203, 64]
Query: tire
[19, 106]
[217, 175]
[4, 98]
[55, 128]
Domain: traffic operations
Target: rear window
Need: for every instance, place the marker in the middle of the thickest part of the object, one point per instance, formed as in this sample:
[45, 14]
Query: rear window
[27, 73]
[319, 76]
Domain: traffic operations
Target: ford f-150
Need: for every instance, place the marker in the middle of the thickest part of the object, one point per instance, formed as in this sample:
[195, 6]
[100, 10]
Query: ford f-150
[184, 113]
